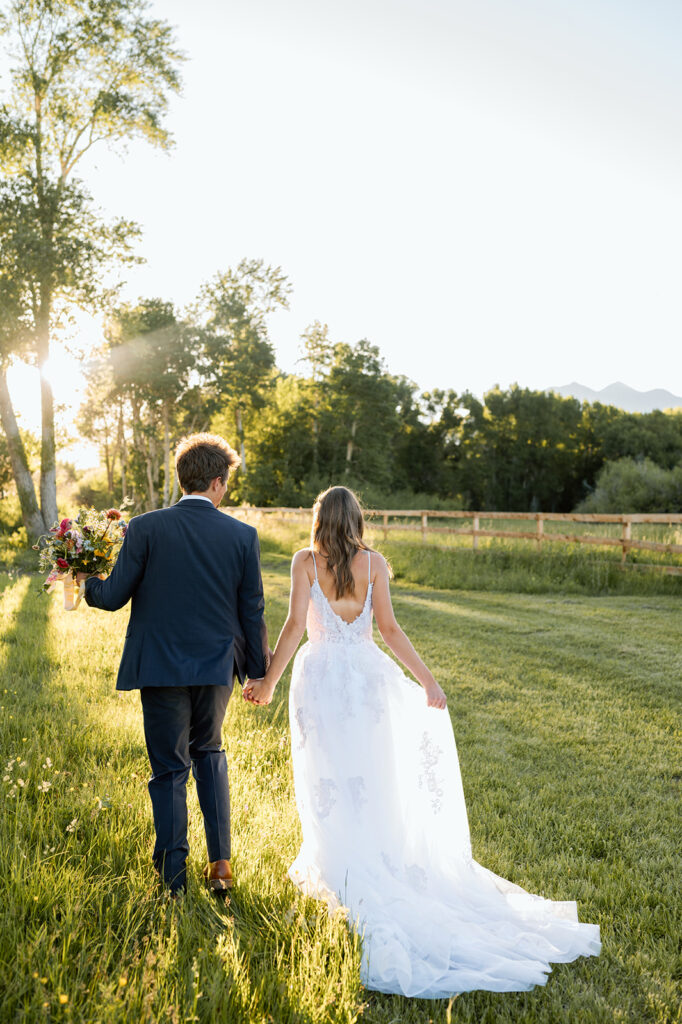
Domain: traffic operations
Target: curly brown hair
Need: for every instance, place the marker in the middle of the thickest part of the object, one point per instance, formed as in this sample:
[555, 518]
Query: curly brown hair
[200, 458]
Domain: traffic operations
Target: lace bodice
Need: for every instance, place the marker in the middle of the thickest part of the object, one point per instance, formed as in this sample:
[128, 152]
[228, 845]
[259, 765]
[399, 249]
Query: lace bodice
[325, 626]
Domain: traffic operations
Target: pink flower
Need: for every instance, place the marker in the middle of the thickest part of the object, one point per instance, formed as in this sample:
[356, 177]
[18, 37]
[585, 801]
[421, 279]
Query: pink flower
[62, 563]
[63, 527]
[113, 513]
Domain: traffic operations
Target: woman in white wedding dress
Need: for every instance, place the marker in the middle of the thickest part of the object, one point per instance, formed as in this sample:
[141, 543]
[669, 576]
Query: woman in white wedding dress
[379, 792]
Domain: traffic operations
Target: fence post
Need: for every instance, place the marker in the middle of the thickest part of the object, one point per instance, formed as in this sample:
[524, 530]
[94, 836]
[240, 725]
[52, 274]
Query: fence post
[626, 535]
[425, 526]
[539, 529]
[475, 529]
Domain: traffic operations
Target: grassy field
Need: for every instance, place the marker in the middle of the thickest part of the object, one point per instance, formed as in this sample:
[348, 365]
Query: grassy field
[567, 715]
[509, 566]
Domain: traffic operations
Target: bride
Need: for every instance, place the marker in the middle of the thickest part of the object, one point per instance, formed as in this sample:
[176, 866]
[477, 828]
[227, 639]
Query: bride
[379, 792]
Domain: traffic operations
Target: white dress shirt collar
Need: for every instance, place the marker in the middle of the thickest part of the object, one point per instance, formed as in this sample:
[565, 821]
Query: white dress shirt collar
[196, 497]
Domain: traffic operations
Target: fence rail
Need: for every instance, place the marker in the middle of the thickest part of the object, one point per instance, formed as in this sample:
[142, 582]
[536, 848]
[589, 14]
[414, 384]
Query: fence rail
[425, 526]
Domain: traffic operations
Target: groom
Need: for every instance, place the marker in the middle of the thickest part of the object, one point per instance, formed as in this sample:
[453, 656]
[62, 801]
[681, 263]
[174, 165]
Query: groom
[196, 620]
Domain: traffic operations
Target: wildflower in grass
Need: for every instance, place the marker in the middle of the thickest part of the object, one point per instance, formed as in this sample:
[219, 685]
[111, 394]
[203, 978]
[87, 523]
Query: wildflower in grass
[73, 825]
[21, 782]
[122, 982]
[44, 786]
[7, 778]
[44, 981]
[48, 763]
[13, 791]
[63, 999]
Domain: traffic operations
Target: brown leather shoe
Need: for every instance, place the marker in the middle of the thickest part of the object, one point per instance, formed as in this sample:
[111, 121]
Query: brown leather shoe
[218, 875]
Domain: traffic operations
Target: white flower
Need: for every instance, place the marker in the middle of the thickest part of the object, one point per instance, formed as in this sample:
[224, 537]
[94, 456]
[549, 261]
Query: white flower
[20, 782]
[73, 825]
[13, 791]
[44, 786]
[7, 778]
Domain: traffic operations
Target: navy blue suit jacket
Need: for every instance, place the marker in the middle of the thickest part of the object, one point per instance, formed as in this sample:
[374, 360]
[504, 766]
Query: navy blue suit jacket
[193, 574]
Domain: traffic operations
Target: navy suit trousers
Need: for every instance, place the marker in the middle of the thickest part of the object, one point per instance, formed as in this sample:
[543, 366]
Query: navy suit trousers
[182, 728]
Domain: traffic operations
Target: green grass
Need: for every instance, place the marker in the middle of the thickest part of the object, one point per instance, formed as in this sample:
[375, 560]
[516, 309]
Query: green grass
[506, 566]
[567, 716]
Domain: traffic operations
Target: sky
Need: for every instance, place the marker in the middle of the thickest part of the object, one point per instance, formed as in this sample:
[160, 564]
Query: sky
[489, 191]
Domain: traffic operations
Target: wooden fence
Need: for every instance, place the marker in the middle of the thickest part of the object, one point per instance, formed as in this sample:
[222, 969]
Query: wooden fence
[380, 519]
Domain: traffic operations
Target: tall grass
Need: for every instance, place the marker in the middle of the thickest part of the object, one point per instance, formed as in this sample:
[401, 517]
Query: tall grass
[509, 566]
[567, 715]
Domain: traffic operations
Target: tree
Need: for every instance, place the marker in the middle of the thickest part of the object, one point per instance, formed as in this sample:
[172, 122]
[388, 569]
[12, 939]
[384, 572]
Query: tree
[99, 418]
[631, 485]
[318, 353]
[520, 451]
[237, 359]
[83, 73]
[14, 337]
[151, 358]
[358, 439]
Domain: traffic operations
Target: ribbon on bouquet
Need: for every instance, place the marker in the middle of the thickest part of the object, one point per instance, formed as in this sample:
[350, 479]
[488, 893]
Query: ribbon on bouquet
[72, 593]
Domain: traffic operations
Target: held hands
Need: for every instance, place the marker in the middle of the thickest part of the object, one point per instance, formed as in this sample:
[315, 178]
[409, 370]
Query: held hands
[259, 691]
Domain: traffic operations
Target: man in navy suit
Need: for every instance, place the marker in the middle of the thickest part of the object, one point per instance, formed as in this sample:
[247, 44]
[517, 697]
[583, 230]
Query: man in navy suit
[196, 620]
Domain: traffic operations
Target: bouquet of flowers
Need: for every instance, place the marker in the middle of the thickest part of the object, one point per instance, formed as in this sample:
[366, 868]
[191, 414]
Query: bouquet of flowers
[89, 543]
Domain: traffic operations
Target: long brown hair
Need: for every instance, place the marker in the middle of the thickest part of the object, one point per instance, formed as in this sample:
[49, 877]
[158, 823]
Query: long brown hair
[338, 526]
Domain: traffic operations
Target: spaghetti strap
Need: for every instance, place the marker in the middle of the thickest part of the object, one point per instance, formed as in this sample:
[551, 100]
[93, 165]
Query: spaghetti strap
[369, 568]
[314, 563]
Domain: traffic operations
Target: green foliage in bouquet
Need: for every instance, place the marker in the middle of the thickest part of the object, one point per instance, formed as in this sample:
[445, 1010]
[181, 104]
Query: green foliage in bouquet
[89, 543]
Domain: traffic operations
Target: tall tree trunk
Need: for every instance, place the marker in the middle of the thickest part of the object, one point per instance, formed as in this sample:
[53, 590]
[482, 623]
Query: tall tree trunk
[48, 458]
[152, 476]
[109, 457]
[240, 435]
[122, 454]
[48, 461]
[30, 512]
[166, 456]
[316, 406]
[351, 445]
[174, 492]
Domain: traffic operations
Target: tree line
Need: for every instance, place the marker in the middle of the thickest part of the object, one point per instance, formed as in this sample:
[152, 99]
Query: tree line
[346, 418]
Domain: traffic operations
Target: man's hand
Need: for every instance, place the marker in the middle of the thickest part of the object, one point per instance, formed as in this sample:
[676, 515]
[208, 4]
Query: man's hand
[81, 576]
[258, 691]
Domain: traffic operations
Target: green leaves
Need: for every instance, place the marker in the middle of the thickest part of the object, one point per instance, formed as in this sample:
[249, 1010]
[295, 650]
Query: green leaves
[86, 73]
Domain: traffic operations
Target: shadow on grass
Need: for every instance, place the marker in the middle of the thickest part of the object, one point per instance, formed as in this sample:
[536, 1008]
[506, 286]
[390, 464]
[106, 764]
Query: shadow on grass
[27, 663]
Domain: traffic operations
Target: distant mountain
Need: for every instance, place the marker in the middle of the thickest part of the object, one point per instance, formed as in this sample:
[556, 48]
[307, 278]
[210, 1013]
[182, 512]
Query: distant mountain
[622, 396]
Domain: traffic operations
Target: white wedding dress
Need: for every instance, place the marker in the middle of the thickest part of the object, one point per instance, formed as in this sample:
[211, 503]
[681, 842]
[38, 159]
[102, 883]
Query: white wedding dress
[385, 830]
